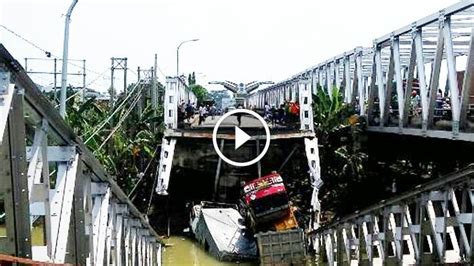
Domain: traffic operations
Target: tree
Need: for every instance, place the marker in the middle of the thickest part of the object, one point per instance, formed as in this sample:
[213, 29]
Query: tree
[217, 96]
[342, 160]
[133, 147]
[191, 79]
[200, 92]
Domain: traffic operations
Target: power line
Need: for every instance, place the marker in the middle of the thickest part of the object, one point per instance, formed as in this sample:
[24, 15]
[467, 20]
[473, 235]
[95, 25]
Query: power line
[111, 115]
[119, 124]
[144, 172]
[83, 89]
[47, 53]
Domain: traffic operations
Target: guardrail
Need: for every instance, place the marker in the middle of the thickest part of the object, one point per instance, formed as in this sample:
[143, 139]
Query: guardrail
[57, 203]
[433, 223]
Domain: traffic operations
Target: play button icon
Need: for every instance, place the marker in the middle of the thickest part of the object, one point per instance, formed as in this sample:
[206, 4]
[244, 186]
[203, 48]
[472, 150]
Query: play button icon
[240, 137]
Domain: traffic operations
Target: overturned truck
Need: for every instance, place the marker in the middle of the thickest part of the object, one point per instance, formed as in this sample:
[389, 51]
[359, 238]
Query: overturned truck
[270, 215]
[220, 229]
[264, 218]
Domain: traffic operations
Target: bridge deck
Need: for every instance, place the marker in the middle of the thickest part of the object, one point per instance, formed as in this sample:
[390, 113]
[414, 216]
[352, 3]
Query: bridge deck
[249, 124]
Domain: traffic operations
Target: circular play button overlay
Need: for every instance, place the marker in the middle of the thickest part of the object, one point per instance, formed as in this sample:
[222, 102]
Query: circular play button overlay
[241, 137]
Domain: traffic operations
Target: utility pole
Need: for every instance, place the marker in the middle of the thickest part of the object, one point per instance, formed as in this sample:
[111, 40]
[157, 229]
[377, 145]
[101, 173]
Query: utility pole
[141, 100]
[55, 80]
[55, 72]
[112, 90]
[62, 101]
[125, 77]
[117, 64]
[154, 90]
[84, 89]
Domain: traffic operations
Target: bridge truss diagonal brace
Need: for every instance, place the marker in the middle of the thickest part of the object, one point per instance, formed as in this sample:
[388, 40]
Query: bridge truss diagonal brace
[61, 208]
[100, 210]
[55, 205]
[312, 154]
[166, 162]
[6, 96]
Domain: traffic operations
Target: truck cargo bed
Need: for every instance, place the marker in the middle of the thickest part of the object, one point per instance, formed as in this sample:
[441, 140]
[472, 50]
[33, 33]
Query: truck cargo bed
[282, 248]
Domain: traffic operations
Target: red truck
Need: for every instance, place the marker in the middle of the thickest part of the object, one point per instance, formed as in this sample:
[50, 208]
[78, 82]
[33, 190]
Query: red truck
[266, 199]
[270, 216]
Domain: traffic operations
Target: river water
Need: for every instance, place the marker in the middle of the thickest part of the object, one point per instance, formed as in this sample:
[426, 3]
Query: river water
[181, 250]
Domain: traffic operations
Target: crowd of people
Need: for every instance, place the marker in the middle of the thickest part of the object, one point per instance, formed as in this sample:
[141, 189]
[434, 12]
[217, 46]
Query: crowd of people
[442, 106]
[286, 113]
[188, 112]
[441, 111]
[191, 113]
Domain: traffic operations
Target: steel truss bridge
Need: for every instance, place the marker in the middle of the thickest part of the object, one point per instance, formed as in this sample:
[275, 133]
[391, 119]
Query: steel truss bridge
[51, 185]
[433, 223]
[379, 79]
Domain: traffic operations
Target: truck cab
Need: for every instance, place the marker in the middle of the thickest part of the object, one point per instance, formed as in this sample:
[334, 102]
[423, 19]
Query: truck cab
[266, 198]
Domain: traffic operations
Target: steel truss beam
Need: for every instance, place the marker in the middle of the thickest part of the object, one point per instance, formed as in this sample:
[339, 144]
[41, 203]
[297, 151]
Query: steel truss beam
[432, 224]
[379, 80]
[60, 192]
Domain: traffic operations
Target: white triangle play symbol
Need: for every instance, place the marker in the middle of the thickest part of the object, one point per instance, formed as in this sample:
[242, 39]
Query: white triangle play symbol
[240, 137]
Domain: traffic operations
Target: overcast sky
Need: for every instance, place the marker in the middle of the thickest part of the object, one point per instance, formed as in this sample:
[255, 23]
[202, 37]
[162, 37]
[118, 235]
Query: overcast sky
[240, 41]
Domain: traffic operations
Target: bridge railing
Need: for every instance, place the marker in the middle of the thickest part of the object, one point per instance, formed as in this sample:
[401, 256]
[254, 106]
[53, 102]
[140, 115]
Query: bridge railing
[431, 224]
[396, 83]
[298, 91]
[409, 67]
[57, 203]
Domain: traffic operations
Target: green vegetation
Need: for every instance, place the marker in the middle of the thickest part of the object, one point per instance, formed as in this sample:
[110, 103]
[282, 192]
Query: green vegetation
[198, 90]
[343, 160]
[125, 142]
[340, 138]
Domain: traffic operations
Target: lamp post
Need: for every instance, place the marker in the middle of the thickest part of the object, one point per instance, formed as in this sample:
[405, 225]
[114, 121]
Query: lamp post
[177, 54]
[62, 100]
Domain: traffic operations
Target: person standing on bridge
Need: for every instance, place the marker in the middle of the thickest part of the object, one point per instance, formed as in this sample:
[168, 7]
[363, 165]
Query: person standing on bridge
[415, 103]
[281, 114]
[213, 111]
[202, 114]
[267, 111]
[189, 110]
[239, 115]
[294, 111]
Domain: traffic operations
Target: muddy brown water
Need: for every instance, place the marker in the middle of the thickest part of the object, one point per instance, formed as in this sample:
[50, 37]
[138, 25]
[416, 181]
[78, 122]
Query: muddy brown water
[181, 250]
[185, 251]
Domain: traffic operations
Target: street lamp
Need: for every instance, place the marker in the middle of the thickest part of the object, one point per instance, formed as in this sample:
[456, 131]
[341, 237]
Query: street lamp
[177, 54]
[62, 101]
